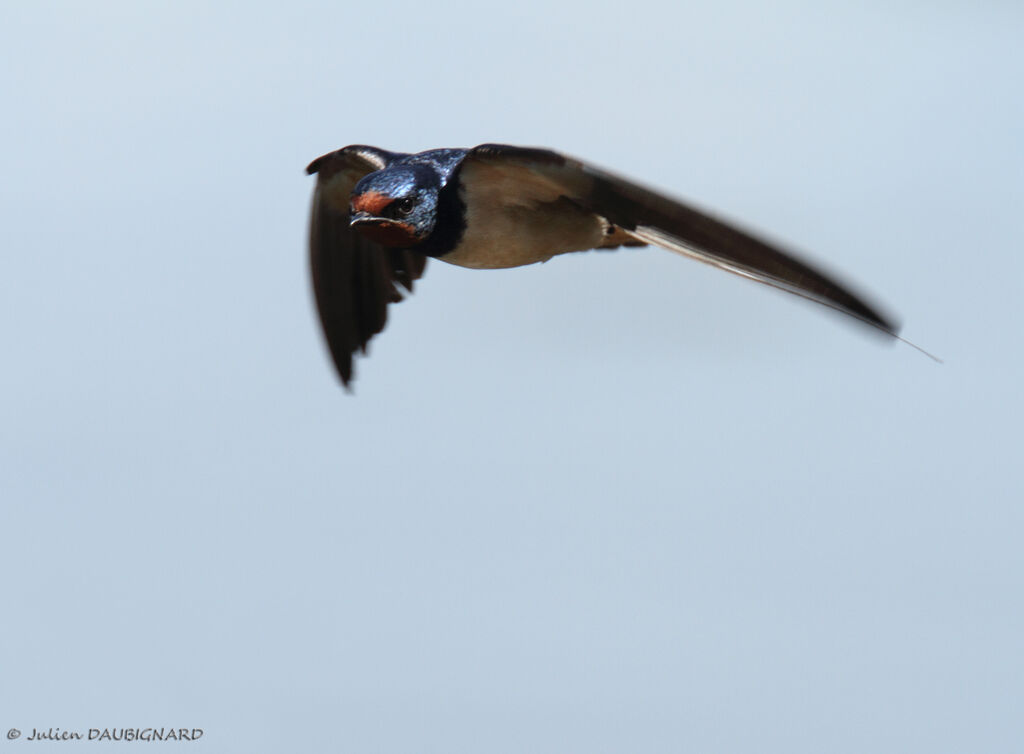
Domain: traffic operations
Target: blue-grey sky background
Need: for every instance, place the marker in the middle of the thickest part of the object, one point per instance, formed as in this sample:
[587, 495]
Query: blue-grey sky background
[616, 502]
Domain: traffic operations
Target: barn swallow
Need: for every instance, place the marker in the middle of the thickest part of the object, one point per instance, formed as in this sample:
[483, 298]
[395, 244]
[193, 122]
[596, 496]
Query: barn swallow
[378, 215]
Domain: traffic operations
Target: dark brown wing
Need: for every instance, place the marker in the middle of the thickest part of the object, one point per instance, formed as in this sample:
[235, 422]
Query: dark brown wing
[543, 175]
[354, 279]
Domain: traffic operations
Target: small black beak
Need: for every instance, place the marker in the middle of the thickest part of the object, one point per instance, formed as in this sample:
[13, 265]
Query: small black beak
[366, 219]
[391, 234]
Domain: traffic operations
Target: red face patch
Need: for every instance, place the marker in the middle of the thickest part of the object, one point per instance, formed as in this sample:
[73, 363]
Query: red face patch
[371, 202]
[390, 234]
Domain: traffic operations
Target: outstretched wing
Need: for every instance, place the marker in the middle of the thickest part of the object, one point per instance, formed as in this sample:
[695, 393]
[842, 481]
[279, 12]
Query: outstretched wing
[543, 176]
[354, 279]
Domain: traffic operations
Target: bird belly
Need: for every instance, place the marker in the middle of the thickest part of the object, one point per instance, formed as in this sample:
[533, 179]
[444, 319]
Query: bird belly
[512, 236]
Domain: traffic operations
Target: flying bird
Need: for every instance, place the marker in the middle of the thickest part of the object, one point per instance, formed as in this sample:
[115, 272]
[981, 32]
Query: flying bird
[378, 216]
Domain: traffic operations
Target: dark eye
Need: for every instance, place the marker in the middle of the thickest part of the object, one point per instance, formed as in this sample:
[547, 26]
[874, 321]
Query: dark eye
[404, 206]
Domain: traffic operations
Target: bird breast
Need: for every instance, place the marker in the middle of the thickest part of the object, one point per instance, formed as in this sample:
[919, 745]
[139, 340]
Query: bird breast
[500, 235]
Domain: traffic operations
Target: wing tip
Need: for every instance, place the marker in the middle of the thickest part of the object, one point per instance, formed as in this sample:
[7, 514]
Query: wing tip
[373, 155]
[314, 166]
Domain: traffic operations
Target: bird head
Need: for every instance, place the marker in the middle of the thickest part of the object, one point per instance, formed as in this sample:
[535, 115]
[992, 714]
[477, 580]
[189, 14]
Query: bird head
[396, 207]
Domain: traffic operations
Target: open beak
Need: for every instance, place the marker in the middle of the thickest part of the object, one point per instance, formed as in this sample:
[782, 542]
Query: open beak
[388, 233]
[365, 218]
